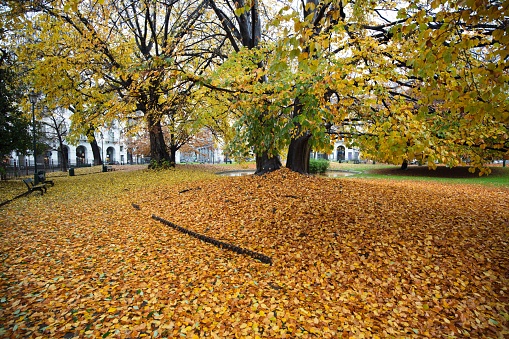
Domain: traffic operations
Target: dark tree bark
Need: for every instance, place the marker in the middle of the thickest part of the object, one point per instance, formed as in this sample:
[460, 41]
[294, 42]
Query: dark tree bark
[173, 158]
[298, 154]
[266, 164]
[63, 155]
[158, 150]
[96, 152]
[299, 149]
[173, 150]
[404, 165]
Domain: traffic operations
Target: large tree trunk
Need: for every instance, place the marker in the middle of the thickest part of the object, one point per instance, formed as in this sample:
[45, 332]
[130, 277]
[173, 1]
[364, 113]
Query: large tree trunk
[299, 149]
[96, 152]
[173, 154]
[265, 164]
[158, 150]
[63, 155]
[404, 165]
[298, 154]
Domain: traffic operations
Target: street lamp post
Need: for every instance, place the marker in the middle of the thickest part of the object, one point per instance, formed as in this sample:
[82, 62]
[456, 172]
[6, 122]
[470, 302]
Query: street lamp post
[102, 153]
[32, 96]
[102, 148]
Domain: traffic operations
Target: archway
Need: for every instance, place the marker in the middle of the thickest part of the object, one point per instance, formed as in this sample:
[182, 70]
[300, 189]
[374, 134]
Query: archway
[81, 155]
[340, 153]
[47, 159]
[110, 155]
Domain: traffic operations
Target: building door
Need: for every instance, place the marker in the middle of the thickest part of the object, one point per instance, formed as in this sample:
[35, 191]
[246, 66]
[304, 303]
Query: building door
[110, 155]
[81, 155]
[340, 151]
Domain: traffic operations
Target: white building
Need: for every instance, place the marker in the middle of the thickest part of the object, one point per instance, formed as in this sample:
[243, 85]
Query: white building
[111, 143]
[111, 147]
[340, 153]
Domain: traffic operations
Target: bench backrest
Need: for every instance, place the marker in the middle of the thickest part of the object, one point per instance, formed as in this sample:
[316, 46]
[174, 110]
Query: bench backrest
[29, 182]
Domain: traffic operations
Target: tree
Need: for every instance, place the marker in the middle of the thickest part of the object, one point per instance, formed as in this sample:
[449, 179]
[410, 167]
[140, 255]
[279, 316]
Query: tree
[179, 124]
[320, 16]
[286, 110]
[124, 56]
[14, 125]
[243, 29]
[56, 121]
[392, 77]
[429, 83]
[96, 152]
[452, 105]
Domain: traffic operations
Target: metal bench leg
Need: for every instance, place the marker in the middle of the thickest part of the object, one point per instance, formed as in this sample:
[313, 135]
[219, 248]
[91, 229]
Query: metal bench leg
[37, 189]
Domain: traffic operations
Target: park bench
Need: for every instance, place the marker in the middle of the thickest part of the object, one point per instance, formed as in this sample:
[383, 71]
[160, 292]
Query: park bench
[43, 180]
[31, 187]
[108, 168]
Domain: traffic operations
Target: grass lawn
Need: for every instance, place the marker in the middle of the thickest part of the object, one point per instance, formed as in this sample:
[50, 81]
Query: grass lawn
[351, 258]
[499, 175]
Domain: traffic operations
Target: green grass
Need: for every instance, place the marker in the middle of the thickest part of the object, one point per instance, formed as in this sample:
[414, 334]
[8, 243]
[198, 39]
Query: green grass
[345, 166]
[458, 175]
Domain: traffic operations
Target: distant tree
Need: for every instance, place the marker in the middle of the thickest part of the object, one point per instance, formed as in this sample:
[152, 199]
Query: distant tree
[107, 59]
[138, 144]
[57, 129]
[14, 126]
[203, 139]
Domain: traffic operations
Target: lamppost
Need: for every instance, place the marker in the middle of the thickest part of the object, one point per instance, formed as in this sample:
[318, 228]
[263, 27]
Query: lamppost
[102, 148]
[102, 153]
[32, 96]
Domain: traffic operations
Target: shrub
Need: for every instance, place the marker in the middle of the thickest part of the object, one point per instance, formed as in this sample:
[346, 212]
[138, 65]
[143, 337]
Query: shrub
[161, 165]
[318, 165]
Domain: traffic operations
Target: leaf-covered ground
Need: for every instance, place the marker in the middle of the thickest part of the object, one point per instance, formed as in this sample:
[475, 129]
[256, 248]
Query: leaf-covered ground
[351, 258]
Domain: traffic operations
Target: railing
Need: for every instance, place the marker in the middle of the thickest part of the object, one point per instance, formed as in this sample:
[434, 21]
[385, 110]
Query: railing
[20, 171]
[16, 171]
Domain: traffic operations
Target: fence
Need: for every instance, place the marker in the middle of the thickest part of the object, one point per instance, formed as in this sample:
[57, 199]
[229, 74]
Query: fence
[28, 169]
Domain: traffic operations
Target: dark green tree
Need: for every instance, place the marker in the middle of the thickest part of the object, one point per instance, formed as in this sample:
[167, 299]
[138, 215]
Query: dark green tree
[14, 126]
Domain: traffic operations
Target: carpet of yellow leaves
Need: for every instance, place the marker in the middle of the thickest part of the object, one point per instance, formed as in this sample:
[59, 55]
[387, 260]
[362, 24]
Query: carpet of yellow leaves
[350, 258]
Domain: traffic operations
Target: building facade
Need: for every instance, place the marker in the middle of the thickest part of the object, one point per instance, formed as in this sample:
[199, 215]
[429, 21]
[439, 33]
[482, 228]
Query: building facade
[341, 153]
[111, 143]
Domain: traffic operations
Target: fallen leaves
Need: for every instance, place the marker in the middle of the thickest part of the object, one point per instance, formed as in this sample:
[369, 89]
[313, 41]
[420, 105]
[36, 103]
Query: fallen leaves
[351, 258]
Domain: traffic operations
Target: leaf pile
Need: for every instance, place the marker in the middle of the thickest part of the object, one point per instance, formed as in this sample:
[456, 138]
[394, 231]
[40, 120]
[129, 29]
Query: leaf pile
[351, 258]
